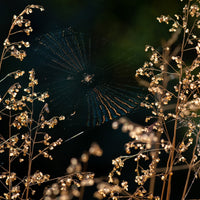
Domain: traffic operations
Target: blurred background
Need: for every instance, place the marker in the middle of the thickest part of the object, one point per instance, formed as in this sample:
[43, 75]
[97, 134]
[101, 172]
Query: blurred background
[129, 25]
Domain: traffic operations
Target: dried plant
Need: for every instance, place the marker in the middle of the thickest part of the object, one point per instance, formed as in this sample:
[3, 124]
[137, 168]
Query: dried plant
[72, 185]
[159, 149]
[25, 138]
[19, 25]
[177, 65]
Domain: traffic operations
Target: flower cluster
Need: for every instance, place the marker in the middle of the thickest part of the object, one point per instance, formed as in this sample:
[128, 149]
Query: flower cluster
[37, 178]
[18, 105]
[69, 186]
[24, 25]
[141, 135]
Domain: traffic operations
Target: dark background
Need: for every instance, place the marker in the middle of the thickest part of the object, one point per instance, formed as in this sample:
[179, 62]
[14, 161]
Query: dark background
[129, 25]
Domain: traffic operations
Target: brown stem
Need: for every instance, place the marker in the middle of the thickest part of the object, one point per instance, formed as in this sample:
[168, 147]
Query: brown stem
[166, 60]
[177, 112]
[28, 177]
[9, 168]
[190, 168]
[171, 161]
[163, 190]
[164, 184]
[2, 56]
[31, 150]
[186, 183]
[153, 178]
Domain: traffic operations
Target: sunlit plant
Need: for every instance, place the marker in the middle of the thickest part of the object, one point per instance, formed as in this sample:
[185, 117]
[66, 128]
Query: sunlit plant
[25, 138]
[173, 80]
